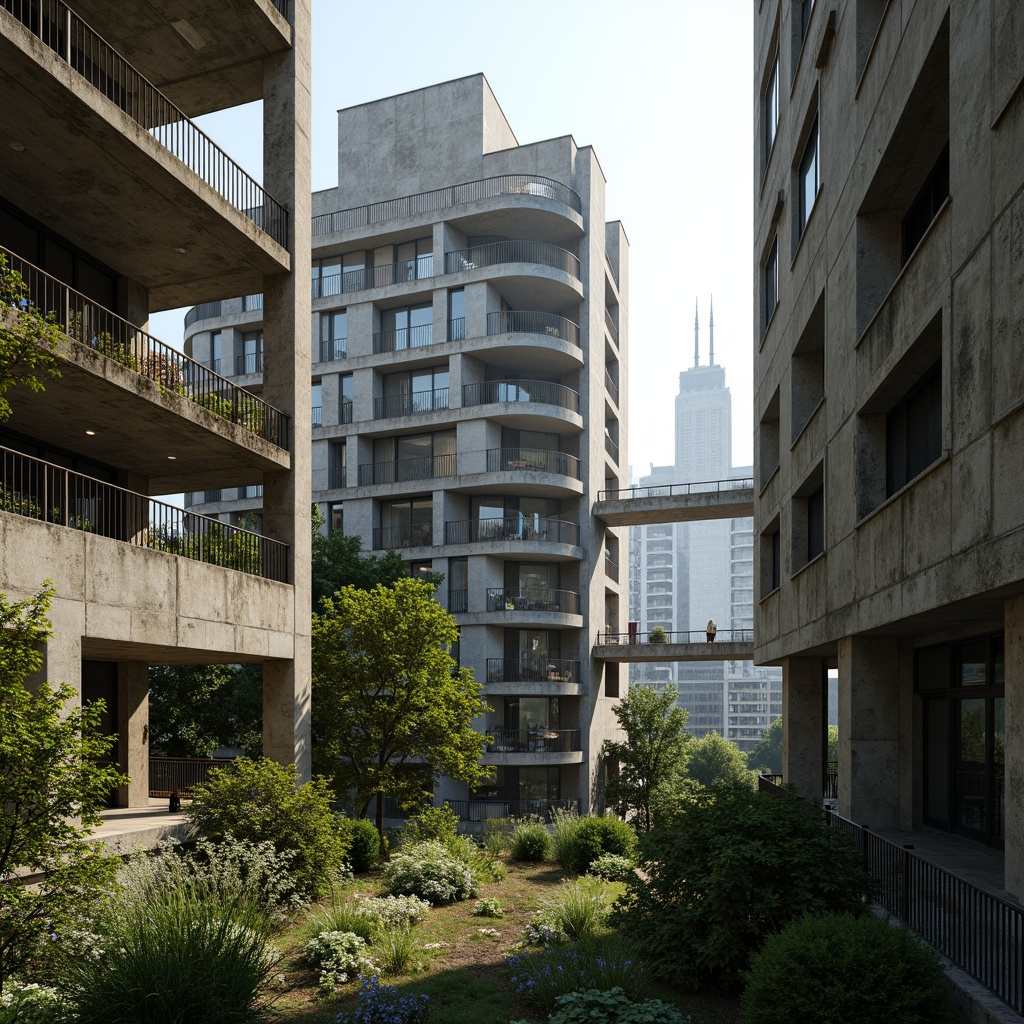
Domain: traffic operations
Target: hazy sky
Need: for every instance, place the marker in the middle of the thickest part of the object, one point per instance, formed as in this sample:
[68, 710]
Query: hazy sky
[661, 90]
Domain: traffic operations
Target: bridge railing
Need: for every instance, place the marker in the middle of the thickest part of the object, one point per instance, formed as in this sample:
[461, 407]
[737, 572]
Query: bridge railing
[693, 636]
[677, 490]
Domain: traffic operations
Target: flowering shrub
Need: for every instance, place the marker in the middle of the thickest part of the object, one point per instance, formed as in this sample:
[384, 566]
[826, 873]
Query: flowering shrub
[543, 930]
[381, 1004]
[393, 911]
[612, 867]
[30, 1004]
[611, 1007]
[429, 871]
[488, 907]
[339, 955]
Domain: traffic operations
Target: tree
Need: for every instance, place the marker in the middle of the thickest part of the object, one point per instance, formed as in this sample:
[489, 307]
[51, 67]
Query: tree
[392, 712]
[27, 339]
[766, 755]
[51, 789]
[651, 754]
[713, 761]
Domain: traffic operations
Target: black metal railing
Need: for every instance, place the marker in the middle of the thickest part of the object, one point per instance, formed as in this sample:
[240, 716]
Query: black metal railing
[427, 467]
[181, 773]
[512, 250]
[831, 780]
[204, 311]
[409, 405]
[544, 392]
[532, 460]
[445, 199]
[511, 528]
[317, 415]
[693, 636]
[457, 329]
[611, 446]
[678, 490]
[345, 410]
[458, 601]
[388, 538]
[89, 55]
[282, 6]
[346, 281]
[404, 338]
[533, 741]
[35, 489]
[482, 810]
[532, 669]
[532, 599]
[522, 321]
[333, 348]
[100, 330]
[248, 362]
[336, 475]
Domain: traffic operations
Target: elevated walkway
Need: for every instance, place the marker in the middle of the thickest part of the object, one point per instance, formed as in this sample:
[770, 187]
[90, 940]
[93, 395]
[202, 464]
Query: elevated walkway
[729, 645]
[676, 503]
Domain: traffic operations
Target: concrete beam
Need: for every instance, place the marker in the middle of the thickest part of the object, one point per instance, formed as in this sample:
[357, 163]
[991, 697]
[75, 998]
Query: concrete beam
[676, 508]
[674, 652]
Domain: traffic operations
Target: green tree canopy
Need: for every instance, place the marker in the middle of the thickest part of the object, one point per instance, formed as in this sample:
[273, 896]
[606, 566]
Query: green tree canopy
[391, 710]
[767, 754]
[713, 761]
[651, 755]
[51, 789]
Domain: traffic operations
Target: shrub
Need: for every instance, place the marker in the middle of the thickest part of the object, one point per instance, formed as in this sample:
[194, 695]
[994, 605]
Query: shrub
[579, 909]
[31, 1004]
[587, 838]
[431, 872]
[565, 842]
[530, 841]
[734, 867]
[393, 950]
[340, 956]
[343, 917]
[393, 911]
[432, 824]
[612, 867]
[488, 907]
[862, 969]
[543, 930]
[611, 1007]
[263, 801]
[364, 844]
[602, 964]
[498, 835]
[657, 635]
[381, 1004]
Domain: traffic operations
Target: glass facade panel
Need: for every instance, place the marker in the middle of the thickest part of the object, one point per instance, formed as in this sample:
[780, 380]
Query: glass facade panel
[969, 768]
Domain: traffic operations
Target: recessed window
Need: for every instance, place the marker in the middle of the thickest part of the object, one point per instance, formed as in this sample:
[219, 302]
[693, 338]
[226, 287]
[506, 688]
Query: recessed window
[251, 358]
[925, 206]
[913, 431]
[337, 472]
[770, 282]
[345, 393]
[333, 335]
[771, 558]
[336, 517]
[809, 176]
[770, 109]
[768, 437]
[808, 370]
[457, 314]
[317, 403]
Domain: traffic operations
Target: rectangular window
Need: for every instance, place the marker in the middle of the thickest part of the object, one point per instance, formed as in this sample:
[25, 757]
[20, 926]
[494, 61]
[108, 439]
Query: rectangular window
[770, 109]
[251, 358]
[457, 314]
[913, 431]
[770, 284]
[336, 517]
[317, 403]
[809, 176]
[215, 351]
[815, 523]
[345, 392]
[925, 206]
[333, 335]
[404, 328]
[326, 277]
[337, 466]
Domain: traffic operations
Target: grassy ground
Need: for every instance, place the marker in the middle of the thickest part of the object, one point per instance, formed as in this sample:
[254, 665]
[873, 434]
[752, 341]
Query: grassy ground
[465, 977]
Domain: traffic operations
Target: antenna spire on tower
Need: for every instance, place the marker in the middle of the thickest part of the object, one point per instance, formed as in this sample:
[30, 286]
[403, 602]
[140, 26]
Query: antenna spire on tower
[696, 333]
[712, 329]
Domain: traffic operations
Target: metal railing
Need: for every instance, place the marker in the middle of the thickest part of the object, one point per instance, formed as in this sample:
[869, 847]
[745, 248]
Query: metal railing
[345, 410]
[532, 599]
[445, 199]
[532, 741]
[693, 636]
[532, 460]
[427, 467]
[611, 567]
[388, 538]
[332, 349]
[831, 780]
[677, 490]
[410, 404]
[511, 528]
[346, 281]
[35, 489]
[611, 387]
[404, 338]
[458, 601]
[611, 447]
[457, 329]
[182, 774]
[336, 476]
[523, 321]
[513, 250]
[204, 311]
[317, 415]
[105, 332]
[482, 810]
[248, 362]
[251, 303]
[531, 669]
[544, 392]
[609, 323]
[88, 54]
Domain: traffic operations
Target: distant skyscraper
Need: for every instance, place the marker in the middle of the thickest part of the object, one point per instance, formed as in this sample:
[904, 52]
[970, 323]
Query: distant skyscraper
[687, 573]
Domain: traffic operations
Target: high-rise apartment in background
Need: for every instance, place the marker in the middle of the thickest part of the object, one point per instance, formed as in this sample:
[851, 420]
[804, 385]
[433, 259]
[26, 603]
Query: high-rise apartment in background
[890, 405]
[469, 389]
[113, 204]
[687, 573]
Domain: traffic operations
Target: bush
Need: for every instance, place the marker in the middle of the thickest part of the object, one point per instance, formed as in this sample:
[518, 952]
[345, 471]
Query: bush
[31, 1004]
[611, 867]
[579, 909]
[611, 1007]
[340, 956]
[530, 841]
[393, 911]
[432, 824]
[580, 841]
[381, 1004]
[657, 635]
[393, 950]
[263, 801]
[364, 845]
[343, 917]
[498, 835]
[734, 867]
[862, 969]
[488, 907]
[431, 872]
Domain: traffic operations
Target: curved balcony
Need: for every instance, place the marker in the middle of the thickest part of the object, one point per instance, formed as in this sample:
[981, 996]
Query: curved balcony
[532, 460]
[533, 741]
[428, 467]
[514, 250]
[533, 599]
[542, 392]
[511, 528]
[531, 669]
[522, 321]
[445, 199]
[411, 404]
[345, 282]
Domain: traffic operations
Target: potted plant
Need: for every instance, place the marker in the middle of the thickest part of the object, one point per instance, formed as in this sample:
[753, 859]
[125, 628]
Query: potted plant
[657, 636]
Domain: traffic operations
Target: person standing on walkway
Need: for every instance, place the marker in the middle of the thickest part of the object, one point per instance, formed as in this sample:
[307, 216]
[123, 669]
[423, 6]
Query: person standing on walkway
[712, 630]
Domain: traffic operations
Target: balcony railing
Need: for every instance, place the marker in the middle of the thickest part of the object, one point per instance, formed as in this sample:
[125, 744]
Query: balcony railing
[91, 325]
[611, 387]
[427, 467]
[533, 599]
[345, 411]
[458, 601]
[404, 338]
[252, 303]
[35, 489]
[609, 322]
[677, 490]
[457, 329]
[611, 447]
[693, 636]
[611, 567]
[532, 670]
[332, 349]
[389, 538]
[514, 250]
[445, 199]
[317, 415]
[204, 311]
[248, 362]
[336, 475]
[74, 42]
[533, 741]
[521, 321]
[409, 405]
[532, 460]
[544, 392]
[346, 281]
[181, 773]
[511, 528]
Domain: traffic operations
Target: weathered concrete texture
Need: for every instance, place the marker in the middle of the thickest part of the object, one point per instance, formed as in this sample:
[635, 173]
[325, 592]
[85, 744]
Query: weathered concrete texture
[718, 651]
[676, 508]
[803, 683]
[133, 732]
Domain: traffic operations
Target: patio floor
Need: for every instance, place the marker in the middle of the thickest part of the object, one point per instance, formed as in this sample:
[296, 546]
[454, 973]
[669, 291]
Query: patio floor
[126, 828]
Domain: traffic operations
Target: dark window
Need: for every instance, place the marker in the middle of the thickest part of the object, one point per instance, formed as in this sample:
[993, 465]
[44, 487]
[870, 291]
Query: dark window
[925, 206]
[771, 282]
[770, 108]
[776, 560]
[806, 6]
[333, 335]
[809, 176]
[457, 314]
[336, 518]
[345, 398]
[913, 432]
[815, 523]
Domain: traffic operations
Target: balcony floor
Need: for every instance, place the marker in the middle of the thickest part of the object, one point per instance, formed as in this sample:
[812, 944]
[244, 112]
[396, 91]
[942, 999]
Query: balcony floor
[124, 829]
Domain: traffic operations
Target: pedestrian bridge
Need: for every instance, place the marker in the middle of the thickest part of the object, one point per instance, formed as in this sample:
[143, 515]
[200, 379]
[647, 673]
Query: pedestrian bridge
[676, 503]
[729, 645]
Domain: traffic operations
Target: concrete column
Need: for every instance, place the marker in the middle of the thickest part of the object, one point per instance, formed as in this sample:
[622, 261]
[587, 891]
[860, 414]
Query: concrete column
[1013, 747]
[803, 729]
[133, 732]
[286, 375]
[869, 731]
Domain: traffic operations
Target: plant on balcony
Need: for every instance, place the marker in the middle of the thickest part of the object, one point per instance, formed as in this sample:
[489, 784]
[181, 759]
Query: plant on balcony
[214, 403]
[28, 339]
[107, 346]
[657, 636]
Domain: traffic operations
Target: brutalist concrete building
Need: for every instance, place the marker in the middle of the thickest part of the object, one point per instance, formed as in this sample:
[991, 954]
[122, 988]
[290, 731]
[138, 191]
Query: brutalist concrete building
[114, 204]
[890, 404]
[469, 328]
